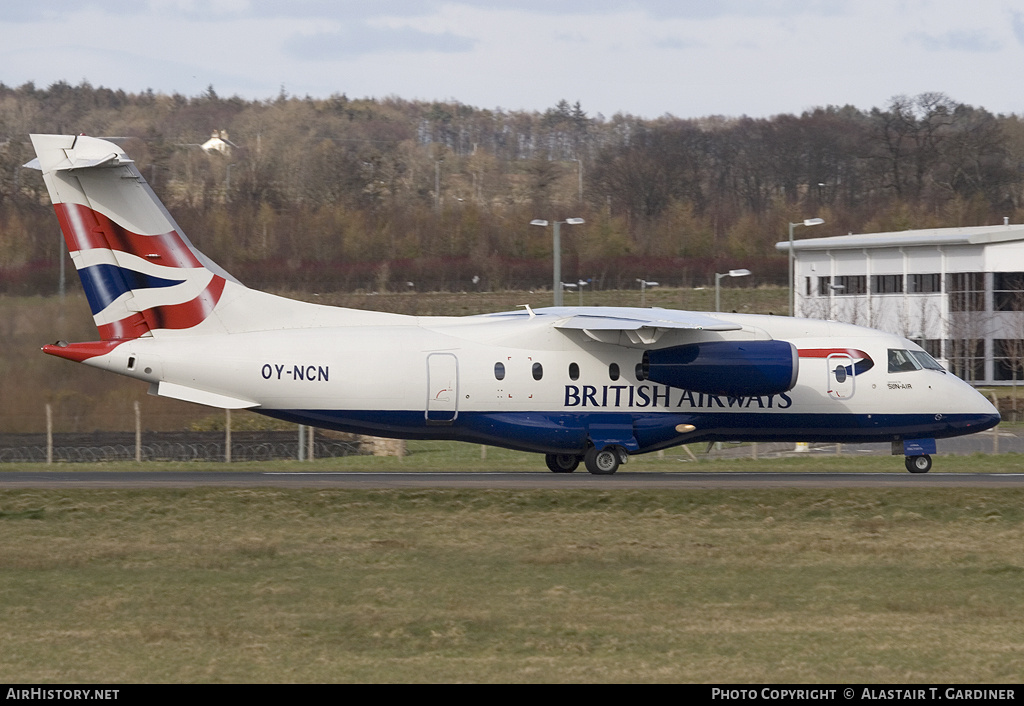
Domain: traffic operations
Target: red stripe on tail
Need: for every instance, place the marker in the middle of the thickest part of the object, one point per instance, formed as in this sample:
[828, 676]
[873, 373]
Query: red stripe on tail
[187, 314]
[85, 229]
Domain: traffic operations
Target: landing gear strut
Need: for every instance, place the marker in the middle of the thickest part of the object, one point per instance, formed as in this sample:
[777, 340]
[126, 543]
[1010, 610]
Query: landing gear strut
[918, 464]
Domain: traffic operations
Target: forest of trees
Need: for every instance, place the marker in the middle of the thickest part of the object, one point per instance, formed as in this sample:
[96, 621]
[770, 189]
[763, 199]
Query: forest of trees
[344, 194]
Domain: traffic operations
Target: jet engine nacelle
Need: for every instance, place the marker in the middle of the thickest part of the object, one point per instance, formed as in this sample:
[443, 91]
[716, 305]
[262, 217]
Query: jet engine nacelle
[734, 368]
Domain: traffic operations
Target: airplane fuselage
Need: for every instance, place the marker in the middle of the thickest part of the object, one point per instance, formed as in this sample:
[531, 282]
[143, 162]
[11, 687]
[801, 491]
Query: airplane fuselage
[513, 381]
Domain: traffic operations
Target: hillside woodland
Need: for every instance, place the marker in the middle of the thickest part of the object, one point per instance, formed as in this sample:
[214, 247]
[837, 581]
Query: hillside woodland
[386, 194]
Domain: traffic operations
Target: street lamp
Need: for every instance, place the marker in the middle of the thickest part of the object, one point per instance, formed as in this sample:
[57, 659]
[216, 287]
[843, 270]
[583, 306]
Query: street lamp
[718, 279]
[556, 285]
[807, 222]
[644, 284]
[833, 289]
[581, 284]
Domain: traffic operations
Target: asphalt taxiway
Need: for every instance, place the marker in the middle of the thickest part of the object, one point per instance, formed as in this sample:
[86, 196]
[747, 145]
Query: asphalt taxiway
[508, 481]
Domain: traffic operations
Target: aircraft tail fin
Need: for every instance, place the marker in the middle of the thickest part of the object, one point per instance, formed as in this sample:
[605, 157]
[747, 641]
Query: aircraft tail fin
[140, 272]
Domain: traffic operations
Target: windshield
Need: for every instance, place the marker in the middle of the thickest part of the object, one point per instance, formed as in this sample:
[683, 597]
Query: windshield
[926, 360]
[905, 361]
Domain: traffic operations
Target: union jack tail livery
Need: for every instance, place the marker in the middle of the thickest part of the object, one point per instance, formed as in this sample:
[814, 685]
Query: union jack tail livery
[140, 273]
[577, 384]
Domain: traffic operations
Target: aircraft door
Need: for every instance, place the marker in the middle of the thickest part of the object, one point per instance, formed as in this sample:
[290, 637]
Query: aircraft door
[442, 388]
[840, 376]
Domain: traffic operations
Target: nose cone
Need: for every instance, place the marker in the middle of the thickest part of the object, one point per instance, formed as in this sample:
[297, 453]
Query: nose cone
[975, 412]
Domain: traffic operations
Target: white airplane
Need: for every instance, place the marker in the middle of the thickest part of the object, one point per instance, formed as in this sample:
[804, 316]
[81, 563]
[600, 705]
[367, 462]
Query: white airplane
[574, 383]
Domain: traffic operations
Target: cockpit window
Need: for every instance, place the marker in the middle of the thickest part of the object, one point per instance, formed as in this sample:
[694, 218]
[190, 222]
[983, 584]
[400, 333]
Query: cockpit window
[904, 361]
[901, 362]
[926, 361]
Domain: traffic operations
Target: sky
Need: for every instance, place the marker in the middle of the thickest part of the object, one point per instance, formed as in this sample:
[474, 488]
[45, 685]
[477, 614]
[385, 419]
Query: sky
[648, 58]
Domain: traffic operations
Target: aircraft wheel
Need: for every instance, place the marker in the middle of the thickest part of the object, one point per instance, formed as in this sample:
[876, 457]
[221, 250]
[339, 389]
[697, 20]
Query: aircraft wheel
[562, 463]
[602, 463]
[919, 464]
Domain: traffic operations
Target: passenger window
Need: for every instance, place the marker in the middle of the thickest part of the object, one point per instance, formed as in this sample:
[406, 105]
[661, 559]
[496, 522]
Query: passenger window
[499, 371]
[538, 371]
[613, 371]
[639, 372]
[574, 371]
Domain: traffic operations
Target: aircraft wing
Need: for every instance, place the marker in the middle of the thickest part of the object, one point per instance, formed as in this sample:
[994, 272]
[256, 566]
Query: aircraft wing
[641, 327]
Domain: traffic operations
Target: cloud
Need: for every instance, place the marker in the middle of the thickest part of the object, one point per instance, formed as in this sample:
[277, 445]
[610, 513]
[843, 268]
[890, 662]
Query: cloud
[678, 43]
[348, 43]
[1018, 26]
[975, 41]
[349, 10]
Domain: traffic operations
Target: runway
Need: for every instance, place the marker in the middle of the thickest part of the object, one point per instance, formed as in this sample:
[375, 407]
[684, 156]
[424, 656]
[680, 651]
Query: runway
[500, 481]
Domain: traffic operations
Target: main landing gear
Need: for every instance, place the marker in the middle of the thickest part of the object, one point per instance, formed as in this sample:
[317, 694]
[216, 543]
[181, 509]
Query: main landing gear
[601, 463]
[562, 463]
[918, 464]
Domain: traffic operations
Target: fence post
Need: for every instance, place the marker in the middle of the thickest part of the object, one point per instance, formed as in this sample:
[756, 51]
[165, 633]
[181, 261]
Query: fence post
[49, 433]
[302, 442]
[995, 429]
[309, 452]
[227, 436]
[138, 433]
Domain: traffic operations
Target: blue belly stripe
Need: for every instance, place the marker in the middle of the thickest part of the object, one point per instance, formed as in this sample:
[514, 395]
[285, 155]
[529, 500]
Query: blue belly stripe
[560, 432]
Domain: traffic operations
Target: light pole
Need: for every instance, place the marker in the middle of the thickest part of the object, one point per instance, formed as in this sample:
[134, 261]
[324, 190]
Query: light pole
[718, 279]
[556, 284]
[644, 284]
[792, 292]
[832, 289]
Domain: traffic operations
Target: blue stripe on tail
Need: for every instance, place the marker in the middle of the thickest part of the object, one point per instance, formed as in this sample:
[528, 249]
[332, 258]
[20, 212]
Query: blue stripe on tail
[105, 283]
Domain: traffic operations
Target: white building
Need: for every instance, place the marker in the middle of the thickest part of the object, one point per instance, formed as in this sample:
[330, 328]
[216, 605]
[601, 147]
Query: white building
[958, 292]
[218, 142]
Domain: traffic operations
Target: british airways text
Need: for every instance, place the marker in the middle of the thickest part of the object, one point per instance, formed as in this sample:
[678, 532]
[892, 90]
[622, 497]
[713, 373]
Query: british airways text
[664, 396]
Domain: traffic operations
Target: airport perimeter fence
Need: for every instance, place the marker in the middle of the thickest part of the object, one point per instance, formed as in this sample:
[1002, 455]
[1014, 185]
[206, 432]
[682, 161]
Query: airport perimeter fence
[169, 446]
[100, 447]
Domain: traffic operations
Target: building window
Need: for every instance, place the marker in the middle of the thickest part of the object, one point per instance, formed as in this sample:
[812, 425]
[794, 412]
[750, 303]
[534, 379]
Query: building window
[966, 291]
[932, 346]
[887, 284]
[1008, 359]
[824, 286]
[1008, 291]
[850, 284]
[924, 283]
[966, 358]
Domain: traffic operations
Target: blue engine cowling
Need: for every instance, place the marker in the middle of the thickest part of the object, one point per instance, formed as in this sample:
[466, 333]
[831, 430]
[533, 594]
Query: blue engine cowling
[734, 368]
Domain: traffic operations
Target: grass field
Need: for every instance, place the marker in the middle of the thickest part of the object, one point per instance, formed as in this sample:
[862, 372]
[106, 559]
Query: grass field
[269, 585]
[454, 457]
